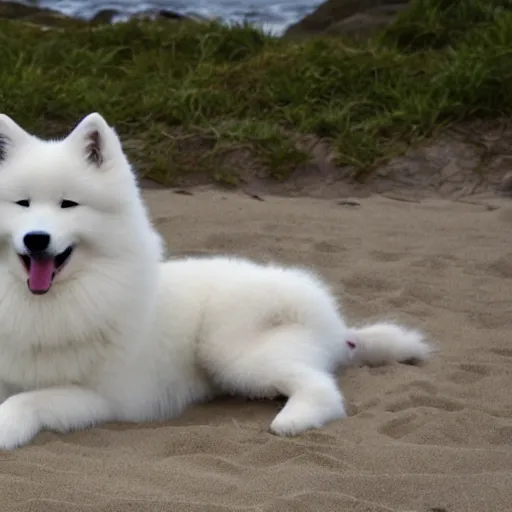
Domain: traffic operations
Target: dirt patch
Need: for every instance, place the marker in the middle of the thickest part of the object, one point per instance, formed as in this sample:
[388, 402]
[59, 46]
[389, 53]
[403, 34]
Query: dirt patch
[465, 161]
[469, 160]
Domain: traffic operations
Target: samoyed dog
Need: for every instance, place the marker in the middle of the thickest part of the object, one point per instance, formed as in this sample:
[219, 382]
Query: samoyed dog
[95, 326]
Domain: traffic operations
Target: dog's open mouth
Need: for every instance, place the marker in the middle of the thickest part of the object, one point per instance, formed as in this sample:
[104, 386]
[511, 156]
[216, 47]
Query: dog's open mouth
[42, 269]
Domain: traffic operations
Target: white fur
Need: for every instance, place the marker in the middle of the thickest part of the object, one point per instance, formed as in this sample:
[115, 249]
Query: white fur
[122, 335]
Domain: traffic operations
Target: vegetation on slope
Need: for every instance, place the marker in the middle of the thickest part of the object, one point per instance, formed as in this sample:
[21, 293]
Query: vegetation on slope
[185, 96]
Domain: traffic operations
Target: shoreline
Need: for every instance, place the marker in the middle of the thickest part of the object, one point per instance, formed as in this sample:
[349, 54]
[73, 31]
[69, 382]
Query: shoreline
[261, 21]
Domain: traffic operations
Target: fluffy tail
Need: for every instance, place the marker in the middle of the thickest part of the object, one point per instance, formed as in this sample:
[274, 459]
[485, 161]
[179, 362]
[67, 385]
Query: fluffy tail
[386, 343]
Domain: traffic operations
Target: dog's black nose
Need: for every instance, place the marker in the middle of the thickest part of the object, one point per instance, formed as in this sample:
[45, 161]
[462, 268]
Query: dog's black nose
[36, 241]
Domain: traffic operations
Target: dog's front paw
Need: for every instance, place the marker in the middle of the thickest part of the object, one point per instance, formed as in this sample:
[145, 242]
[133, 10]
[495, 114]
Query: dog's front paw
[18, 422]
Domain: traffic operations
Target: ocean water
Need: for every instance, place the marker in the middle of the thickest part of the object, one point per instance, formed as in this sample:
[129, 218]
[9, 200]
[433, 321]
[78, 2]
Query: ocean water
[272, 15]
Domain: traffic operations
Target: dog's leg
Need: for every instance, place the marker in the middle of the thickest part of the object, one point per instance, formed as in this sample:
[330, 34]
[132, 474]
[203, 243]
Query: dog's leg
[24, 415]
[283, 361]
[313, 401]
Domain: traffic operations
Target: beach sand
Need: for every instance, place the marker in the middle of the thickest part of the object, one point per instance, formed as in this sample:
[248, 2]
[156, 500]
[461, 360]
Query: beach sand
[430, 438]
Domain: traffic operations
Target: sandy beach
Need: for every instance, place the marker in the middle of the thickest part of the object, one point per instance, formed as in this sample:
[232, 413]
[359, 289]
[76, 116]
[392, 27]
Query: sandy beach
[431, 438]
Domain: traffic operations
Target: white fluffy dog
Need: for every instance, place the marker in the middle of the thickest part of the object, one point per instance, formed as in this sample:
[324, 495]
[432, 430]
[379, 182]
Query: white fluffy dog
[95, 326]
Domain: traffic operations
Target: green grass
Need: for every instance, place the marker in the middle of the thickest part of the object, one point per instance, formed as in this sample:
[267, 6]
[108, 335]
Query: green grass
[188, 98]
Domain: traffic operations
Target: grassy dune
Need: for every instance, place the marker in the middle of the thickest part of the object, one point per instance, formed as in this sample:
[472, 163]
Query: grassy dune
[187, 97]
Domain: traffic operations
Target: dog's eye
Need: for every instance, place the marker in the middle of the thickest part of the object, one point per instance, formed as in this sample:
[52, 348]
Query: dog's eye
[66, 203]
[24, 202]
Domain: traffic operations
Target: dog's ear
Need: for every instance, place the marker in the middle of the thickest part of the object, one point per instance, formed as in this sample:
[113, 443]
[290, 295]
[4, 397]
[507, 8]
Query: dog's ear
[11, 136]
[96, 139]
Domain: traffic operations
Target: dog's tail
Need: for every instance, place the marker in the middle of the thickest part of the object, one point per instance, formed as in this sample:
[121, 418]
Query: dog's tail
[386, 343]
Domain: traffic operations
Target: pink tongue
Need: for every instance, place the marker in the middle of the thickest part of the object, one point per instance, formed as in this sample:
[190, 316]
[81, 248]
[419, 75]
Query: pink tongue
[41, 274]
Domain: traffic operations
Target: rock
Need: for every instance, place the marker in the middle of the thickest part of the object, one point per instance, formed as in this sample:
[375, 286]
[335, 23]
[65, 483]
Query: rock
[169, 15]
[158, 15]
[12, 10]
[36, 15]
[104, 17]
[354, 18]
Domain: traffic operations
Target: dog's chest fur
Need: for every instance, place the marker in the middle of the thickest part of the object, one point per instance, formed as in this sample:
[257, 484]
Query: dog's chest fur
[52, 342]
[27, 366]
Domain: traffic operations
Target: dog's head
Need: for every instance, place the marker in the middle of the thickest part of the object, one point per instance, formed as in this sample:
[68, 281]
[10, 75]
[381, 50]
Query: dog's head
[64, 203]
